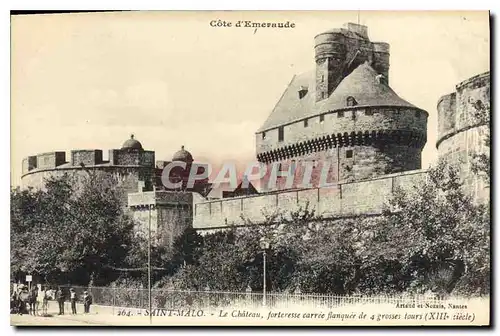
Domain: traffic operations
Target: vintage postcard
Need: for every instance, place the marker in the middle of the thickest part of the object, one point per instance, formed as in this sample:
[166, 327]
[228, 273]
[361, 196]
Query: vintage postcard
[316, 168]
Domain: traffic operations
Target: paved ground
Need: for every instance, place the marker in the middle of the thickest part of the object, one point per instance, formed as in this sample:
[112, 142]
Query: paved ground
[60, 320]
[54, 320]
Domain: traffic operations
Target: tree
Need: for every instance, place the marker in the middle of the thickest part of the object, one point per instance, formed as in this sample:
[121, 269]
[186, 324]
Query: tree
[444, 234]
[72, 231]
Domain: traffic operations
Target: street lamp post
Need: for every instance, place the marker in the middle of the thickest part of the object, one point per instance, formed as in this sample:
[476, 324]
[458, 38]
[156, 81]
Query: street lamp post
[264, 245]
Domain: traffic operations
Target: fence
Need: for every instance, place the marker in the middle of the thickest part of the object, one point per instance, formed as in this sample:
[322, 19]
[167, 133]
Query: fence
[178, 299]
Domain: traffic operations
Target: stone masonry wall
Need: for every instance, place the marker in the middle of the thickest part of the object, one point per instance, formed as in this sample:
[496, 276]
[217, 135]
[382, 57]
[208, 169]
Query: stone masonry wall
[367, 161]
[350, 120]
[341, 200]
[459, 135]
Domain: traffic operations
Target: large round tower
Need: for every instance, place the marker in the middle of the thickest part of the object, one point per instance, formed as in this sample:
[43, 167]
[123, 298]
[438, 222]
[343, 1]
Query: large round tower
[462, 127]
[344, 114]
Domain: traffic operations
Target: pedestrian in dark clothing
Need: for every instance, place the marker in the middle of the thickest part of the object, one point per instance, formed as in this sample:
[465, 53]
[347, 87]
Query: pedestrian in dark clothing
[23, 299]
[32, 300]
[60, 297]
[87, 301]
[73, 299]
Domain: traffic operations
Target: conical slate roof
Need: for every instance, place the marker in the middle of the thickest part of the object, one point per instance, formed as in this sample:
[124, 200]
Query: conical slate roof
[290, 107]
[363, 84]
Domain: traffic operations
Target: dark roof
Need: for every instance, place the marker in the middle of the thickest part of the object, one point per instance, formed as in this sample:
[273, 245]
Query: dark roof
[182, 155]
[290, 107]
[362, 84]
[131, 143]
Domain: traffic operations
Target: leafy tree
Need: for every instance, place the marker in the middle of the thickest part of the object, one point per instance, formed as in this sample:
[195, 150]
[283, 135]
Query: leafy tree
[444, 234]
[70, 231]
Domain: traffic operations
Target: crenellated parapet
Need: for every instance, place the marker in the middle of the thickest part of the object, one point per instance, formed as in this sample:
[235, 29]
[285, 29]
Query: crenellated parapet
[364, 126]
[132, 166]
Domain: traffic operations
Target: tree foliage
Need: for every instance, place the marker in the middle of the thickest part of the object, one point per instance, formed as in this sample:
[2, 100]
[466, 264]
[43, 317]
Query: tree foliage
[69, 232]
[430, 237]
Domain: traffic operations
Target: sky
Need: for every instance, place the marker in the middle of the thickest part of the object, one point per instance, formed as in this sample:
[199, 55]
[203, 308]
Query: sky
[87, 81]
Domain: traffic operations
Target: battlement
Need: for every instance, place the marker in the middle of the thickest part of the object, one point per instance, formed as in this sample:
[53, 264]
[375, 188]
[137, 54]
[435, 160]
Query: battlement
[339, 51]
[457, 110]
[89, 158]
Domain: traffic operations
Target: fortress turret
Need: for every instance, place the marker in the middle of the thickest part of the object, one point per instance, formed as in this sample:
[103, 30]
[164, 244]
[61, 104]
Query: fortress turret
[339, 51]
[345, 114]
[462, 128]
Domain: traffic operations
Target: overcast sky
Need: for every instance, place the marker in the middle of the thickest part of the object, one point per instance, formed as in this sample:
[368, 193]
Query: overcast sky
[83, 81]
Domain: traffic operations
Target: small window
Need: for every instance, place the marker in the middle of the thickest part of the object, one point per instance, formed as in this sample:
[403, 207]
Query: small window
[322, 78]
[340, 114]
[350, 101]
[368, 112]
[321, 118]
[306, 123]
[263, 135]
[281, 134]
[417, 114]
[348, 154]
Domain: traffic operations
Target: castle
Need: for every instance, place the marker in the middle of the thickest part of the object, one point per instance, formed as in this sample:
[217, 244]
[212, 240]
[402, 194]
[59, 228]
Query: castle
[343, 112]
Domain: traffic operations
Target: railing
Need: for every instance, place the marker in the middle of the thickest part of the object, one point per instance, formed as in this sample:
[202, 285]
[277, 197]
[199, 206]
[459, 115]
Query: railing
[175, 299]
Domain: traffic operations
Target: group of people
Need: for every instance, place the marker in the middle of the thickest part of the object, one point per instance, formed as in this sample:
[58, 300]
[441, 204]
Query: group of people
[28, 301]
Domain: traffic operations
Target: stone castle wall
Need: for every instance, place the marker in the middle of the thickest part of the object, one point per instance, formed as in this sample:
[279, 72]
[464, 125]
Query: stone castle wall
[341, 200]
[171, 213]
[460, 133]
[359, 143]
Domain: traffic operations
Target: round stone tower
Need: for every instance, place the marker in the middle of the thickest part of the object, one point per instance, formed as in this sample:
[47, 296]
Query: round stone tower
[463, 118]
[344, 114]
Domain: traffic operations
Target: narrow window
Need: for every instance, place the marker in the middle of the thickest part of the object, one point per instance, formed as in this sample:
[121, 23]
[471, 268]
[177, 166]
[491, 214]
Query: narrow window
[340, 114]
[293, 167]
[348, 153]
[321, 118]
[306, 123]
[322, 78]
[368, 112]
[263, 135]
[281, 133]
[350, 101]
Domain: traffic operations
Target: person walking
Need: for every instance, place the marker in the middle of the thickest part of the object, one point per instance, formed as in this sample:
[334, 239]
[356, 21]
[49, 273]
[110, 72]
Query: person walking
[45, 301]
[39, 301]
[60, 297]
[23, 299]
[73, 299]
[87, 301]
